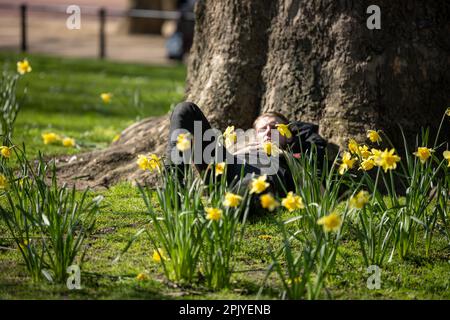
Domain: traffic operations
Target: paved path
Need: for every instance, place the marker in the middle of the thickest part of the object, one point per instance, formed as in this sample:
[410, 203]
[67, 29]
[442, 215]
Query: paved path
[115, 4]
[47, 33]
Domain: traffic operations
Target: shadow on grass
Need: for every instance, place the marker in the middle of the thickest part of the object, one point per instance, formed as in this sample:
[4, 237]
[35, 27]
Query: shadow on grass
[91, 288]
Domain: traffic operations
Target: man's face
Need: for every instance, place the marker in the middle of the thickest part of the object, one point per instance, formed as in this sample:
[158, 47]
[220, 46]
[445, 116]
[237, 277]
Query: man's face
[266, 131]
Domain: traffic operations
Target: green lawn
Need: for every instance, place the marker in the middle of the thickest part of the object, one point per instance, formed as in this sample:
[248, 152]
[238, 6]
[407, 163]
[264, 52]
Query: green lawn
[63, 96]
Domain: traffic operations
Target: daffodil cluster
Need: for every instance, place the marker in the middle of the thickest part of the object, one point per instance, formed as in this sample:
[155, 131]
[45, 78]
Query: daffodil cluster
[267, 201]
[149, 162]
[368, 159]
[53, 138]
[230, 200]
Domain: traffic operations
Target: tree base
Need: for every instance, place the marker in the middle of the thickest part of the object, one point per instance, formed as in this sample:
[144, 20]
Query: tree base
[104, 168]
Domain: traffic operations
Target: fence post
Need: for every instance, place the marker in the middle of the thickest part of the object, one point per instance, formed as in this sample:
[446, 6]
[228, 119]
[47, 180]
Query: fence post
[102, 17]
[23, 20]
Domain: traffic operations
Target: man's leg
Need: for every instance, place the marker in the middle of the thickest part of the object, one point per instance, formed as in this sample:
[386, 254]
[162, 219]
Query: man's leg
[183, 119]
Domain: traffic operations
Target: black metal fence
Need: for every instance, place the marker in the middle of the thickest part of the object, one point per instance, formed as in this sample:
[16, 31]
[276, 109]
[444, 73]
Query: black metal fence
[102, 14]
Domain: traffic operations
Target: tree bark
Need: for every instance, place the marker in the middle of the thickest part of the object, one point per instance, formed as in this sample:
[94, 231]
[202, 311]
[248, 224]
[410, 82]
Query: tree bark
[103, 168]
[312, 60]
[317, 61]
[227, 59]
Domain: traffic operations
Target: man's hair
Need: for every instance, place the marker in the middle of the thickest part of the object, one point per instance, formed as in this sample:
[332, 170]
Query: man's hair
[271, 114]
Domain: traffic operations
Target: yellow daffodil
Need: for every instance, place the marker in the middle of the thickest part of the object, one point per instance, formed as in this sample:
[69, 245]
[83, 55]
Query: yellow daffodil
[183, 141]
[268, 202]
[231, 200]
[230, 140]
[158, 255]
[331, 222]
[267, 147]
[353, 146]
[220, 168]
[423, 153]
[213, 214]
[24, 244]
[151, 162]
[143, 162]
[23, 67]
[5, 151]
[374, 136]
[376, 156]
[283, 129]
[359, 201]
[367, 164]
[155, 162]
[230, 136]
[50, 138]
[364, 152]
[271, 149]
[3, 182]
[259, 184]
[446, 155]
[387, 160]
[292, 202]
[21, 182]
[68, 142]
[106, 97]
[347, 162]
[229, 130]
[116, 138]
[142, 277]
[295, 280]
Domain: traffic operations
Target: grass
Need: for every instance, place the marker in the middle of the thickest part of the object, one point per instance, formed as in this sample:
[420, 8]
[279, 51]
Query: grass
[416, 278]
[63, 96]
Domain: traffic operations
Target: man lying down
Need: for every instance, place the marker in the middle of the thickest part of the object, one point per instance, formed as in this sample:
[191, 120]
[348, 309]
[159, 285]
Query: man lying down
[247, 155]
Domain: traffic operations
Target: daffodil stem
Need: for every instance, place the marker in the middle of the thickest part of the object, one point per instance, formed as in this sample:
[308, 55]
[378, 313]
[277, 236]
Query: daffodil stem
[439, 131]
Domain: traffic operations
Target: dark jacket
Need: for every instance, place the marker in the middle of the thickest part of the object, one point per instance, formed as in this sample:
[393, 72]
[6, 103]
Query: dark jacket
[305, 136]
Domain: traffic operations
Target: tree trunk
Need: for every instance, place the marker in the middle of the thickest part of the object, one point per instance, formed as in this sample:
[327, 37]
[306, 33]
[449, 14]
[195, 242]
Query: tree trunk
[313, 61]
[103, 168]
[317, 61]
